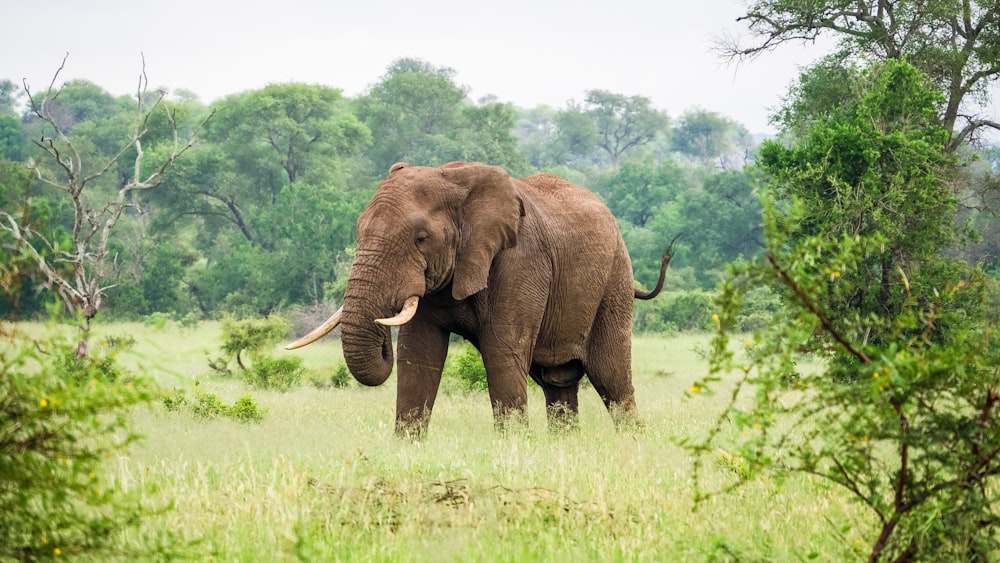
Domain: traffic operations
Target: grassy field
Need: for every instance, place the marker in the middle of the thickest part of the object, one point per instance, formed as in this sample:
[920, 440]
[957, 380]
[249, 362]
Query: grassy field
[323, 478]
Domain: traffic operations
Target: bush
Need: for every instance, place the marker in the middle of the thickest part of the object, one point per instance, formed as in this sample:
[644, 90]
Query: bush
[468, 368]
[276, 373]
[674, 311]
[245, 409]
[208, 406]
[157, 320]
[251, 335]
[59, 421]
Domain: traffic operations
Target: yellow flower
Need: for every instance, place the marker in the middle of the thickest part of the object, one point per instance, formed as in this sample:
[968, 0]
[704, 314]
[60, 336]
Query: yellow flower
[57, 552]
[93, 382]
[876, 374]
[43, 403]
[756, 427]
[715, 317]
[695, 388]
[749, 342]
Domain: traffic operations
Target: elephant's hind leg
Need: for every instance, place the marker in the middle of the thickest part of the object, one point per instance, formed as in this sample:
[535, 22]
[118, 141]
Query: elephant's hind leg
[609, 361]
[561, 385]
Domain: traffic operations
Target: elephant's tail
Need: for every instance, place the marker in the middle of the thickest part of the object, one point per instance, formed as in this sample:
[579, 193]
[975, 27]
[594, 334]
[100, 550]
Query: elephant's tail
[667, 255]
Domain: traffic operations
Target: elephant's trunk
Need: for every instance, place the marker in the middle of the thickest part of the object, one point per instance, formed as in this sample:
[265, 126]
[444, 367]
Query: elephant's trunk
[367, 346]
[369, 300]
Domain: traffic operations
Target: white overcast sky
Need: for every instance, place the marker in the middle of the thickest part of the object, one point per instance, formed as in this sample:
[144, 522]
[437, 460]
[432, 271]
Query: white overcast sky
[528, 52]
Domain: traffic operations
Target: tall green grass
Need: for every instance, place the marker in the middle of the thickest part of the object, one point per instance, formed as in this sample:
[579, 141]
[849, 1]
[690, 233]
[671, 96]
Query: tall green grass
[323, 477]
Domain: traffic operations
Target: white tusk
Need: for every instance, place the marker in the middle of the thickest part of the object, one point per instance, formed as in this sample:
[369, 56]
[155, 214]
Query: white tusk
[404, 316]
[318, 332]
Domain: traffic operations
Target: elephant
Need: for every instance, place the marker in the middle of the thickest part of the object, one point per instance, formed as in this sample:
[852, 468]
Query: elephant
[532, 271]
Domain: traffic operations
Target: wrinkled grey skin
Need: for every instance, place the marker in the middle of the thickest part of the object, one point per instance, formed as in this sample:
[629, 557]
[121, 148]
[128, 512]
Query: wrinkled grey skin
[532, 271]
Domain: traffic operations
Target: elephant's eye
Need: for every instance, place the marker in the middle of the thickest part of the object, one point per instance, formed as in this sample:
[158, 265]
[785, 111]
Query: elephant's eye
[422, 238]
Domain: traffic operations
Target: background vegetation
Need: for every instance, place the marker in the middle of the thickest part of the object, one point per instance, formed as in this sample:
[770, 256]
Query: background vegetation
[847, 269]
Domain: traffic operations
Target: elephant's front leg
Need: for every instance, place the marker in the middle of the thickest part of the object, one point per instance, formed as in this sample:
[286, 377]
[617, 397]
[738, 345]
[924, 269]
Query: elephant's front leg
[506, 366]
[421, 355]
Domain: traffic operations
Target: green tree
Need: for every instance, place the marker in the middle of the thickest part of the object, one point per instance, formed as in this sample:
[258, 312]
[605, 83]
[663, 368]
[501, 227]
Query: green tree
[954, 43]
[577, 135]
[707, 136]
[410, 110]
[635, 192]
[876, 166]
[721, 224]
[905, 415]
[537, 134]
[622, 122]
[306, 130]
[485, 136]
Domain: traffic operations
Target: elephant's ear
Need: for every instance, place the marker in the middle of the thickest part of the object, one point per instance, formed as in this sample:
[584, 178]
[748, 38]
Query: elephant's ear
[491, 216]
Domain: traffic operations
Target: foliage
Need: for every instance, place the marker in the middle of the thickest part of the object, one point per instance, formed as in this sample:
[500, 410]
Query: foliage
[208, 406]
[252, 335]
[954, 43]
[636, 190]
[468, 368]
[60, 420]
[674, 311]
[298, 128]
[277, 373]
[612, 122]
[902, 411]
[876, 167]
[711, 139]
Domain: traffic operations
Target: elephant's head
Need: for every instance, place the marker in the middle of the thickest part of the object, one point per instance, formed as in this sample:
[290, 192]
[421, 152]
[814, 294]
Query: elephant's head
[425, 231]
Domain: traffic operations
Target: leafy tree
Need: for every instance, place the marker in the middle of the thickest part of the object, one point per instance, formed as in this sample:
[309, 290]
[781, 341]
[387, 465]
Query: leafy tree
[905, 416]
[622, 122]
[954, 43]
[410, 110]
[635, 192]
[877, 166]
[537, 133]
[707, 136]
[721, 224]
[303, 129]
[577, 135]
[485, 136]
[13, 142]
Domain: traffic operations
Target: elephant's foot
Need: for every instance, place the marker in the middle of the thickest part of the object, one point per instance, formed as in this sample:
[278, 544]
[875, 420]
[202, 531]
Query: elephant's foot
[562, 405]
[413, 424]
[562, 418]
[510, 422]
[625, 416]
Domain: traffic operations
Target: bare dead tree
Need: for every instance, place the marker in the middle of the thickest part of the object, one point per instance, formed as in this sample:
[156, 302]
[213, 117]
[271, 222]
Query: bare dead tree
[83, 272]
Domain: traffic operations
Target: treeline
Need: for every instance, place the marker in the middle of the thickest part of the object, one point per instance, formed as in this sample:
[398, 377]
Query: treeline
[259, 215]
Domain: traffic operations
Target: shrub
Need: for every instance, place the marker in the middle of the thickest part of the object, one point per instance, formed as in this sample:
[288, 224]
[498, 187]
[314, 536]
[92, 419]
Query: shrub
[59, 422]
[251, 335]
[245, 409]
[468, 368]
[342, 377]
[675, 311]
[157, 320]
[277, 373]
[207, 406]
